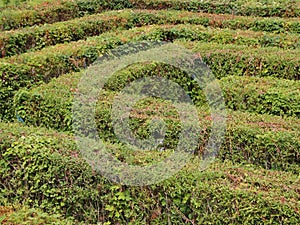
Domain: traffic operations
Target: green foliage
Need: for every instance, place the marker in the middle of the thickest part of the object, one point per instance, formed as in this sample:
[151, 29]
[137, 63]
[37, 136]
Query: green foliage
[55, 12]
[46, 13]
[248, 138]
[46, 179]
[271, 142]
[39, 37]
[65, 10]
[33, 216]
[267, 8]
[46, 172]
[50, 105]
[44, 169]
[262, 95]
[57, 60]
[36, 38]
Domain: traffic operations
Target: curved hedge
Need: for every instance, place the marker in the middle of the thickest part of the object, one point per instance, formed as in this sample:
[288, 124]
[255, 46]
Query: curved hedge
[31, 68]
[11, 19]
[20, 41]
[224, 193]
[59, 11]
[254, 138]
[255, 176]
[54, 61]
[262, 95]
[267, 8]
[239, 60]
[243, 93]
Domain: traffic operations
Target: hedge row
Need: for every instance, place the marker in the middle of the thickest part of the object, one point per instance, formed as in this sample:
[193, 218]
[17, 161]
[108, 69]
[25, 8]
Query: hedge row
[25, 4]
[243, 93]
[31, 68]
[240, 92]
[73, 54]
[252, 138]
[12, 19]
[44, 169]
[226, 36]
[262, 95]
[15, 19]
[60, 11]
[245, 8]
[19, 41]
[225, 60]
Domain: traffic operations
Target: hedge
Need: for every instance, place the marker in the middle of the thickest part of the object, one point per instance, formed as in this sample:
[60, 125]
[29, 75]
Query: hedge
[262, 95]
[254, 138]
[243, 93]
[18, 18]
[44, 169]
[28, 69]
[12, 19]
[59, 11]
[15, 4]
[20, 41]
[25, 215]
[241, 60]
[245, 8]
[45, 184]
[79, 53]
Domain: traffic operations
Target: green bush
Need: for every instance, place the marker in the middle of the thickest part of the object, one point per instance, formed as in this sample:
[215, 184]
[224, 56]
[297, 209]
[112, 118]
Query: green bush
[252, 138]
[245, 8]
[45, 171]
[12, 19]
[262, 95]
[255, 176]
[12, 43]
[57, 60]
[258, 95]
[41, 168]
[243, 93]
[249, 138]
[54, 61]
[34, 216]
[240, 60]
[56, 12]
[37, 38]
[15, 19]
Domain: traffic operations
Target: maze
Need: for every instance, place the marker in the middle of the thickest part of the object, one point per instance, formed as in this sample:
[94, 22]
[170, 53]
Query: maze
[251, 47]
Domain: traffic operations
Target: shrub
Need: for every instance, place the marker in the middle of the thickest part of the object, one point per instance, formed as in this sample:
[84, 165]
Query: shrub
[251, 138]
[57, 60]
[44, 169]
[12, 19]
[35, 38]
[35, 217]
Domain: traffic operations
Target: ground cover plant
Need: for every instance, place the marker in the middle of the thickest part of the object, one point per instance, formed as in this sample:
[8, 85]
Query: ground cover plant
[251, 47]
